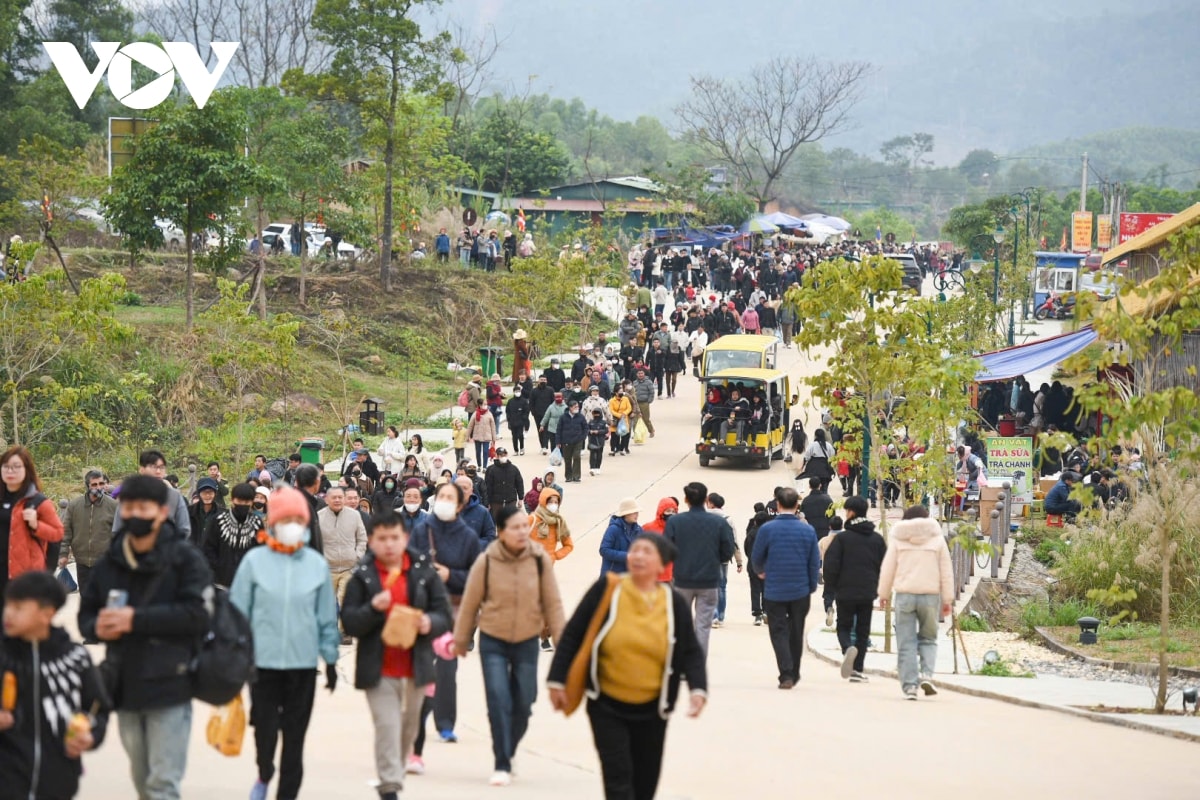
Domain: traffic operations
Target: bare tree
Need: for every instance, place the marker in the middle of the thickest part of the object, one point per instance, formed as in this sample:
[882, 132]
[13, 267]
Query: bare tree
[467, 66]
[756, 125]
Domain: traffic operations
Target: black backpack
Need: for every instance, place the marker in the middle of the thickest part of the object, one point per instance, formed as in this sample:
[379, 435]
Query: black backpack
[224, 657]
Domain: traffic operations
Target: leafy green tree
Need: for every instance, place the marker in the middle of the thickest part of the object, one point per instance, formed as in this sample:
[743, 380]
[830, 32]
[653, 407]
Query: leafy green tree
[187, 169]
[978, 165]
[885, 220]
[380, 58]
[513, 159]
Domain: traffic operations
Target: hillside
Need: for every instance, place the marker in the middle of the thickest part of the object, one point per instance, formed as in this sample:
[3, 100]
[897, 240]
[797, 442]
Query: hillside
[1144, 154]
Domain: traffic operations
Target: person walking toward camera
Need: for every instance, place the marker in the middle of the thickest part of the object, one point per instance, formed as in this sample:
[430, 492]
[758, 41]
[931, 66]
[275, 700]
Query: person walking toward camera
[917, 566]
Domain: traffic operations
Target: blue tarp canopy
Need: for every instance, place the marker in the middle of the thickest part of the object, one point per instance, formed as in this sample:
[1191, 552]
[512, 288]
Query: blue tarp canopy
[687, 236]
[1003, 365]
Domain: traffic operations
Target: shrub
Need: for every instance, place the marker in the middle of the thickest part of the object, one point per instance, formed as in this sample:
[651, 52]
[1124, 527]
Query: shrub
[1001, 669]
[973, 624]
[1040, 614]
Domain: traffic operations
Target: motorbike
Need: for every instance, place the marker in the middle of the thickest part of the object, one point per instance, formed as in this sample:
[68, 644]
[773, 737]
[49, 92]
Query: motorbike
[1056, 307]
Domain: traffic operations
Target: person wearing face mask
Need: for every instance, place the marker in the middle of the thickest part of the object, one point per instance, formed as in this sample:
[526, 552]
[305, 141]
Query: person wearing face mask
[411, 510]
[548, 528]
[503, 483]
[516, 414]
[262, 496]
[453, 547]
[620, 412]
[87, 526]
[285, 591]
[145, 599]
[540, 401]
[387, 495]
[233, 533]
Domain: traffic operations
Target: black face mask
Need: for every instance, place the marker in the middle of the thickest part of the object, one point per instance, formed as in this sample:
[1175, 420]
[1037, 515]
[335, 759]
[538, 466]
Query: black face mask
[241, 513]
[138, 527]
[260, 506]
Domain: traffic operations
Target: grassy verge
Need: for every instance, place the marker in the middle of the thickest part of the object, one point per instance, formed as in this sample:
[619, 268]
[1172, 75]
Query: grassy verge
[1136, 643]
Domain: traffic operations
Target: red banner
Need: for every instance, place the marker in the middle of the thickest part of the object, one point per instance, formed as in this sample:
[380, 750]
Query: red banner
[1133, 224]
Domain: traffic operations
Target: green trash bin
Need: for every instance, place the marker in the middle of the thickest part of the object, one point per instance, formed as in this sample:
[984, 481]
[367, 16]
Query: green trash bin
[310, 451]
[491, 361]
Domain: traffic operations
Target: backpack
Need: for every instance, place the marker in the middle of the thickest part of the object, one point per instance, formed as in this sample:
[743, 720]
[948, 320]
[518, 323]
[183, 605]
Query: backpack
[463, 398]
[224, 658]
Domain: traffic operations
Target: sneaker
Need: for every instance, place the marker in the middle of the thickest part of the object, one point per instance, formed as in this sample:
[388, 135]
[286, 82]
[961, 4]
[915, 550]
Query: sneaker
[717, 623]
[829, 618]
[857, 677]
[592, 472]
[448, 736]
[415, 765]
[500, 778]
[786, 683]
[928, 688]
[258, 791]
[848, 661]
[910, 693]
[757, 619]
[547, 647]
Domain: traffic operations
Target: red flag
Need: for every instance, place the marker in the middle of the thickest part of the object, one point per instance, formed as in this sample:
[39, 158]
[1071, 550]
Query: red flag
[521, 220]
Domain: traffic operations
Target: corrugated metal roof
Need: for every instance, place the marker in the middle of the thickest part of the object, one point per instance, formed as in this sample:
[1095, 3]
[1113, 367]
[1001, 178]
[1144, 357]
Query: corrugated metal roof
[550, 204]
[631, 182]
[1155, 236]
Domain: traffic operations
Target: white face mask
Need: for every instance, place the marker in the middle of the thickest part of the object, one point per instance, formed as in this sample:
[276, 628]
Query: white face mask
[412, 507]
[552, 508]
[289, 534]
[503, 459]
[445, 510]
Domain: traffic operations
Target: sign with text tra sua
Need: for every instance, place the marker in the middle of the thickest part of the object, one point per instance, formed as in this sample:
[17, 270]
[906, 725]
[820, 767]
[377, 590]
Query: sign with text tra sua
[1010, 458]
[117, 61]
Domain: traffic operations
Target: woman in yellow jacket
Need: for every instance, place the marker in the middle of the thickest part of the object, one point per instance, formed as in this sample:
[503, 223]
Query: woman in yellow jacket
[620, 408]
[548, 528]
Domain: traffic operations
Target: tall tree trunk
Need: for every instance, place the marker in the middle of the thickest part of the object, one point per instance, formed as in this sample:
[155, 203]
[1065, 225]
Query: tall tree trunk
[389, 166]
[304, 258]
[187, 233]
[16, 437]
[260, 277]
[1164, 617]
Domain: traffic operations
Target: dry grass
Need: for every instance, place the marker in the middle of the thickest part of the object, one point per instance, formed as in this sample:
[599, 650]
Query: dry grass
[1136, 644]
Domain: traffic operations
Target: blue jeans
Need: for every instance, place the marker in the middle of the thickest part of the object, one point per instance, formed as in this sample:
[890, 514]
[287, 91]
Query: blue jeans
[916, 635]
[510, 683]
[721, 593]
[156, 742]
[482, 451]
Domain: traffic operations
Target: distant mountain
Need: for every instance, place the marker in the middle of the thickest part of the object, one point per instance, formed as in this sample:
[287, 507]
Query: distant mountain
[1147, 155]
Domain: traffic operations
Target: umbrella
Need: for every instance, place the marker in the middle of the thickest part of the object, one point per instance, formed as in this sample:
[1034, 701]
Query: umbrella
[758, 224]
[783, 220]
[497, 217]
[837, 223]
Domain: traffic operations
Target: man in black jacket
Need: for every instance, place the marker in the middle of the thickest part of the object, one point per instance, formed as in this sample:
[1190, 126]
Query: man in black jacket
[852, 566]
[231, 535]
[815, 508]
[555, 376]
[541, 399]
[308, 481]
[572, 433]
[705, 541]
[146, 599]
[503, 483]
[516, 414]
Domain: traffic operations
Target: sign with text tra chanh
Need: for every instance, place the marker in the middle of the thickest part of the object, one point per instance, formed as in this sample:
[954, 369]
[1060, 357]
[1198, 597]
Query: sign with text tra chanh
[117, 61]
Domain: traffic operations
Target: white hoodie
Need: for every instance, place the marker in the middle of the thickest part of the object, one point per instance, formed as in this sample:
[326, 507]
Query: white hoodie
[917, 561]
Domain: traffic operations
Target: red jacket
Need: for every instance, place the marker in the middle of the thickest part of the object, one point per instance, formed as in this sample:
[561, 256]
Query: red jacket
[27, 550]
[659, 526]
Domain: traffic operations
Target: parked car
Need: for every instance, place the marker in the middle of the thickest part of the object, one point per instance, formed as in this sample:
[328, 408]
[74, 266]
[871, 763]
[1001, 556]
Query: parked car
[173, 236]
[912, 270]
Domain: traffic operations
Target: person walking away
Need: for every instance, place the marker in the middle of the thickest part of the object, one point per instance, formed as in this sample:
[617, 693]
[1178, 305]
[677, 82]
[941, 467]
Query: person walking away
[644, 647]
[787, 560]
[516, 414]
[715, 505]
[643, 392]
[572, 435]
[760, 517]
[145, 600]
[233, 534]
[667, 508]
[852, 565]
[704, 542]
[699, 341]
[453, 547]
[286, 592]
[548, 527]
[622, 529]
[917, 566]
[391, 580]
[815, 508]
[60, 709]
[511, 595]
[787, 322]
[28, 524]
[818, 460]
[596, 436]
[344, 537]
[87, 526]
[835, 527]
[503, 483]
[482, 431]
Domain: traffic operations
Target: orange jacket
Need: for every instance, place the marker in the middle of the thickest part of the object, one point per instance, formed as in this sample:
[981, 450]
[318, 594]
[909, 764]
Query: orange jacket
[659, 526]
[557, 547]
[27, 549]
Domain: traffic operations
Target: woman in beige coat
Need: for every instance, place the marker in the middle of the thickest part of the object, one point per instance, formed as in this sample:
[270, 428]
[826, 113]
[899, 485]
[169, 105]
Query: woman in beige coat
[482, 431]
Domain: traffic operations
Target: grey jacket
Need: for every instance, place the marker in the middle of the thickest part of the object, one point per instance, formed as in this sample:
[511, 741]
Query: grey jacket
[627, 331]
[645, 391]
[180, 515]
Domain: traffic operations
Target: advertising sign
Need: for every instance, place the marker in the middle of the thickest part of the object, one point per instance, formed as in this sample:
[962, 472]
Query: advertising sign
[1130, 225]
[1010, 458]
[1081, 232]
[1103, 232]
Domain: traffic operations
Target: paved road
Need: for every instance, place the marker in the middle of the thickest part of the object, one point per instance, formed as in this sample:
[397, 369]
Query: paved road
[825, 738]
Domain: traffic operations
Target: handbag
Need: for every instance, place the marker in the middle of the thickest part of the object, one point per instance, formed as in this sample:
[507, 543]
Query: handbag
[623, 427]
[400, 628]
[67, 580]
[575, 685]
[227, 727]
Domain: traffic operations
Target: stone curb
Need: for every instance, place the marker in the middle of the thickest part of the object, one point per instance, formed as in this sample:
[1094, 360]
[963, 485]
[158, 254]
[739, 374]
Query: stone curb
[1134, 667]
[1119, 721]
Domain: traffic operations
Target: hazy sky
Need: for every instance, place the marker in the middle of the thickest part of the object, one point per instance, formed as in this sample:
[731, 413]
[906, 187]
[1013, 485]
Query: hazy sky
[973, 72]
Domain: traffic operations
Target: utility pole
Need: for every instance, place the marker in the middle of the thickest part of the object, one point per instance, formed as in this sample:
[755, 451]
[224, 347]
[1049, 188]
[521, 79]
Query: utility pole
[1083, 186]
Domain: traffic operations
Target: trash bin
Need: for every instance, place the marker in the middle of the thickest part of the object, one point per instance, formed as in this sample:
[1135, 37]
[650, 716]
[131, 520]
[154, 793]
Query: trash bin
[310, 451]
[370, 419]
[491, 361]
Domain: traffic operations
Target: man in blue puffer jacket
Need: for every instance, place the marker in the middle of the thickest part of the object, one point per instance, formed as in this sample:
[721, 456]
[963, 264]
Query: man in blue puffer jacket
[622, 529]
[286, 593]
[788, 561]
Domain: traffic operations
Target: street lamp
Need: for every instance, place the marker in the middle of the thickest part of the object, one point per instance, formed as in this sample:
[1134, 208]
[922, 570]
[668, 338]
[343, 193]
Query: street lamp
[998, 236]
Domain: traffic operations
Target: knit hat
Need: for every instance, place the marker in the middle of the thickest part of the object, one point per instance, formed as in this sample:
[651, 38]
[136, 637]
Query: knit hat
[266, 477]
[628, 506]
[264, 491]
[286, 502]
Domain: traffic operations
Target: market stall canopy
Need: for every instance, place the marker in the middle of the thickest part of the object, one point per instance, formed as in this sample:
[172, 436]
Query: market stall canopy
[1006, 364]
[782, 220]
[758, 224]
[837, 223]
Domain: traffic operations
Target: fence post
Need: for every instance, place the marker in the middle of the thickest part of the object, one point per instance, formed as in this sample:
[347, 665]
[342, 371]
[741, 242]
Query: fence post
[995, 537]
[1008, 504]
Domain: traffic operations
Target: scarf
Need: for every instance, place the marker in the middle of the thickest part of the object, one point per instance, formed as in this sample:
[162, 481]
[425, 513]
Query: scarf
[271, 542]
[479, 412]
[546, 520]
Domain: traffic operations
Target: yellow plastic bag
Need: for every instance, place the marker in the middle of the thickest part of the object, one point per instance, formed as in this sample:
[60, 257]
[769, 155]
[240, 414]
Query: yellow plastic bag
[227, 727]
[640, 432]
